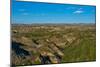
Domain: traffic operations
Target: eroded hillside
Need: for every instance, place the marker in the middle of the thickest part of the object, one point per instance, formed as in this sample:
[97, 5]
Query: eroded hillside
[46, 44]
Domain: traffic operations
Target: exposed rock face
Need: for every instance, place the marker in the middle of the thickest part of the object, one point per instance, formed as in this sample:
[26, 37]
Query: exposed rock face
[23, 46]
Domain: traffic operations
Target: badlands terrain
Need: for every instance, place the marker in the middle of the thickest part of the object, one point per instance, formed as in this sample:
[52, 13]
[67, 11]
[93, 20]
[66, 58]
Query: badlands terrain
[52, 43]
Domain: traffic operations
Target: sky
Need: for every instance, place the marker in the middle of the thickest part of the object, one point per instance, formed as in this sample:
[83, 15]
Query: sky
[38, 12]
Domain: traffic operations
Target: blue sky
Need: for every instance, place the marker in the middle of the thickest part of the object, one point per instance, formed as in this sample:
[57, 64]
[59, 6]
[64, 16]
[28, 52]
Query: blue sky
[36, 12]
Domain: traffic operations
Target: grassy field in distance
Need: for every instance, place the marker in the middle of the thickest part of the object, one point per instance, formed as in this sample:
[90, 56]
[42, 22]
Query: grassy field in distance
[51, 44]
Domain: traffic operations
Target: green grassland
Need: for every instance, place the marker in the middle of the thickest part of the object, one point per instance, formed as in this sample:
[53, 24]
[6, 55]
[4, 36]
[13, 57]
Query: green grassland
[73, 43]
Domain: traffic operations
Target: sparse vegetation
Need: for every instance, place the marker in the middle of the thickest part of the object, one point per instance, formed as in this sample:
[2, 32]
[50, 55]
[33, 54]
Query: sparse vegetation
[70, 43]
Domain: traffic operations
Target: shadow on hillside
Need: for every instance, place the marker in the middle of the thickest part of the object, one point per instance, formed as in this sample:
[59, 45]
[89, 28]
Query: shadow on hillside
[16, 47]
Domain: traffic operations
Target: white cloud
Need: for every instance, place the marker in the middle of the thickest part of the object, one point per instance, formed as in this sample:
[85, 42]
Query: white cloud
[78, 11]
[25, 14]
[22, 10]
